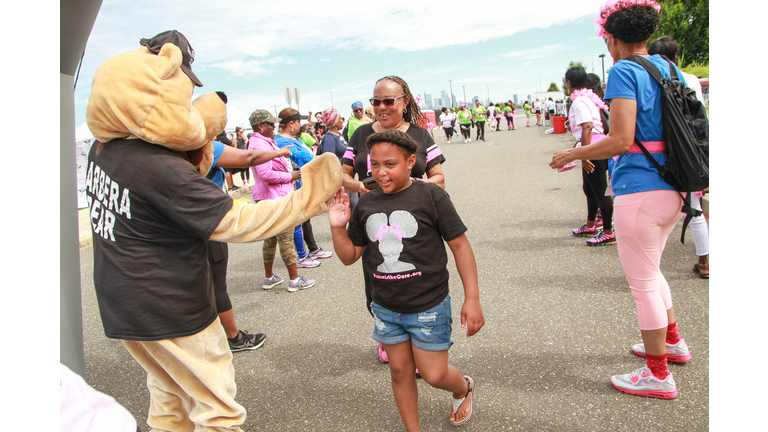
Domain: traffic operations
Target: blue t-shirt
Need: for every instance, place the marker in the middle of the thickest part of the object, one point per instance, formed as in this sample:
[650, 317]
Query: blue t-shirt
[300, 153]
[218, 177]
[633, 172]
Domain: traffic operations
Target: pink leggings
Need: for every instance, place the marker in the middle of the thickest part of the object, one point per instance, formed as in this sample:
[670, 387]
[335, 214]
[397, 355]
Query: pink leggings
[643, 221]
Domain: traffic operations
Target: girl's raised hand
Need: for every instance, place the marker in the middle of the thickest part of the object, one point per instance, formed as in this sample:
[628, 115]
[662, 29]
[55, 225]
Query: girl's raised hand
[338, 211]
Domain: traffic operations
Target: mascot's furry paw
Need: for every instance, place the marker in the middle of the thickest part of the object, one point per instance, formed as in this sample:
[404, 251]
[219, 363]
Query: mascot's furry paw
[320, 179]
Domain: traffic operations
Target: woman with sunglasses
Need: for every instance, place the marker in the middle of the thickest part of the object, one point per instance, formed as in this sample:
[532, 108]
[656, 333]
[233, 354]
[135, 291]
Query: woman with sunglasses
[273, 180]
[358, 119]
[394, 108]
[646, 208]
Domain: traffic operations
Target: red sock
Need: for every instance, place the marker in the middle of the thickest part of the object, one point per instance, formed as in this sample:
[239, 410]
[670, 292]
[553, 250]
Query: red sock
[657, 365]
[673, 336]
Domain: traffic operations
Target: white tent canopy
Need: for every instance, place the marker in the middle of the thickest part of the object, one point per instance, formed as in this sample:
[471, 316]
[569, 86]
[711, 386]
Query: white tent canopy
[82, 133]
[236, 118]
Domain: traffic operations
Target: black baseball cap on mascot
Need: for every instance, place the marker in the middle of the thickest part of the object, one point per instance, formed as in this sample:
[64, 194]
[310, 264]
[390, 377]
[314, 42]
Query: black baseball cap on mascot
[187, 53]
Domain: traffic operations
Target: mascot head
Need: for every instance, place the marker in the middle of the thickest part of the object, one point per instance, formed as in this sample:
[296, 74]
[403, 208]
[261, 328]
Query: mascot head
[147, 94]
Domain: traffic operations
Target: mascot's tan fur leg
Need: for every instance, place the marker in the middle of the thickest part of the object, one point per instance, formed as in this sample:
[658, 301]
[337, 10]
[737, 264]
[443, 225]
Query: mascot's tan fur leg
[321, 179]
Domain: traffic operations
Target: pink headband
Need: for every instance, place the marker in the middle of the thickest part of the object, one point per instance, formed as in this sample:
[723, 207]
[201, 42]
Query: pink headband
[612, 6]
[330, 116]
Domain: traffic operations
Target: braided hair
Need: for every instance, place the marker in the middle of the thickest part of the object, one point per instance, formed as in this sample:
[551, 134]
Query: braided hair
[412, 111]
[394, 137]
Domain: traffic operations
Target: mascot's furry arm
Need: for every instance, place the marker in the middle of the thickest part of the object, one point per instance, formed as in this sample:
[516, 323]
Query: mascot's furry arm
[321, 179]
[138, 94]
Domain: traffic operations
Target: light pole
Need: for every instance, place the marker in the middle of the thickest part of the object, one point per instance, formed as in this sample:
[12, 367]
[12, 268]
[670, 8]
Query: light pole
[331, 99]
[465, 94]
[450, 83]
[602, 60]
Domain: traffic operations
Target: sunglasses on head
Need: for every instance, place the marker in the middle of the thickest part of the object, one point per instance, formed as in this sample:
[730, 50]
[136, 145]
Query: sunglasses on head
[387, 102]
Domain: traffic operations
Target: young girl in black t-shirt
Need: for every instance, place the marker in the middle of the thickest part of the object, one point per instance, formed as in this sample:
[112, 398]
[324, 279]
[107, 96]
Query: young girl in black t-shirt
[404, 222]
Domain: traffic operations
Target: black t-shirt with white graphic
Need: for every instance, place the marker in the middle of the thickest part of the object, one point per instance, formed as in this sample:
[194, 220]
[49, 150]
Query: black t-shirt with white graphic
[404, 233]
[151, 213]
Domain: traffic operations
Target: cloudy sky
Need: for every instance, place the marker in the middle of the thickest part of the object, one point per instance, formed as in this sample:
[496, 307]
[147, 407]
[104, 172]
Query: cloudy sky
[335, 53]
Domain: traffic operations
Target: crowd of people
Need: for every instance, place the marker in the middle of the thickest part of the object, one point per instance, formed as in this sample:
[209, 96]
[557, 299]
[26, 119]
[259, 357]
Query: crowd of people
[392, 188]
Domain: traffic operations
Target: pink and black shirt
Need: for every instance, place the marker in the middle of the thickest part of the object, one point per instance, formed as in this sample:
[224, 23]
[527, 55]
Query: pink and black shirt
[427, 156]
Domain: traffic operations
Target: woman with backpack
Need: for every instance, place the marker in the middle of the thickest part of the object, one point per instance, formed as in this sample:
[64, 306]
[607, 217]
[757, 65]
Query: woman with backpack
[646, 207]
[587, 127]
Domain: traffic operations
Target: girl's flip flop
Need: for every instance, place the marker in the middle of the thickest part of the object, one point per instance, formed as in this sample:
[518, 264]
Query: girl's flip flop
[457, 402]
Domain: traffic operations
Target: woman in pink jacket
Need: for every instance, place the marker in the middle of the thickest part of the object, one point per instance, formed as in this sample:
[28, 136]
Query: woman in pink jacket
[272, 180]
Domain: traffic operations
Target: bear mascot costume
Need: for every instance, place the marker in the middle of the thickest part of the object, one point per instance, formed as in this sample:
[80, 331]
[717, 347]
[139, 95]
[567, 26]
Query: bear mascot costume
[152, 211]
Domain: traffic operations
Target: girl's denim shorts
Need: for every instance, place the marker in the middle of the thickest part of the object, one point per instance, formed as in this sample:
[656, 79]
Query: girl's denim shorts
[428, 331]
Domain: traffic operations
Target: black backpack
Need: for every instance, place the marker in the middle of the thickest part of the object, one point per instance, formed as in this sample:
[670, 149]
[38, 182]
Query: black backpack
[686, 137]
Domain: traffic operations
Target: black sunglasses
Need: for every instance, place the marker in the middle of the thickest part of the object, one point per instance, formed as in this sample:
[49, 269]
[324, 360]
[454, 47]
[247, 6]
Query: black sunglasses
[357, 109]
[387, 102]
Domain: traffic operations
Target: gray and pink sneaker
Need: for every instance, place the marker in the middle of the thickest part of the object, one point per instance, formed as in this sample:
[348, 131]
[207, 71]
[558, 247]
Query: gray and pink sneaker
[677, 353]
[642, 383]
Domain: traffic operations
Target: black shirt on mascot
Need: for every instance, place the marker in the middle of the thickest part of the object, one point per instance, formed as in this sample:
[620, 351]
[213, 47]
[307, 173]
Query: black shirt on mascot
[151, 214]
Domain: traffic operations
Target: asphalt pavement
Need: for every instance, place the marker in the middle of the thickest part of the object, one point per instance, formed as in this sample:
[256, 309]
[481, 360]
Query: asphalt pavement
[560, 318]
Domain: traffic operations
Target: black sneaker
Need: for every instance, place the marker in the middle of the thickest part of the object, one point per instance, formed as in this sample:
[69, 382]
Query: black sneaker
[246, 341]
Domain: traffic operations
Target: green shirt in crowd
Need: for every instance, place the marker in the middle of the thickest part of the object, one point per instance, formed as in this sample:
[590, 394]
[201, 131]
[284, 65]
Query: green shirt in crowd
[308, 139]
[465, 117]
[479, 112]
